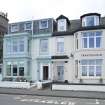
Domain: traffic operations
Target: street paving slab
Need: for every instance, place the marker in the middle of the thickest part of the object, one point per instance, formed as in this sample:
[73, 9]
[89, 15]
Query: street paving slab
[49, 93]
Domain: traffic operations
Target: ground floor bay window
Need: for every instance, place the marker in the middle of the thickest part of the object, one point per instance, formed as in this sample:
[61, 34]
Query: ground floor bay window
[15, 69]
[8, 69]
[91, 67]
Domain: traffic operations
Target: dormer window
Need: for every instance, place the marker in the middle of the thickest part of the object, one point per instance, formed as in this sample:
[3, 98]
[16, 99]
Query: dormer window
[14, 27]
[28, 26]
[92, 19]
[43, 24]
[62, 25]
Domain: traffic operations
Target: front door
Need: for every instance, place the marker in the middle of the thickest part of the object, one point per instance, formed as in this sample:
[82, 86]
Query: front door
[60, 72]
[45, 72]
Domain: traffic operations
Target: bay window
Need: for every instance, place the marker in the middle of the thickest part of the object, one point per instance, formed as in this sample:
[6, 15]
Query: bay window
[21, 68]
[90, 21]
[91, 68]
[91, 39]
[8, 69]
[21, 71]
[8, 46]
[15, 45]
[21, 45]
[15, 69]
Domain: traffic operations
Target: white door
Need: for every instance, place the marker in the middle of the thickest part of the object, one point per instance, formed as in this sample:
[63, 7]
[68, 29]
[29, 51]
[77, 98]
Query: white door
[60, 72]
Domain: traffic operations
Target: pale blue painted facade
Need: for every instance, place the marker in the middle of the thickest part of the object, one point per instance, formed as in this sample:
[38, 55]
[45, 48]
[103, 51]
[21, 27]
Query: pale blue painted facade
[17, 57]
[20, 58]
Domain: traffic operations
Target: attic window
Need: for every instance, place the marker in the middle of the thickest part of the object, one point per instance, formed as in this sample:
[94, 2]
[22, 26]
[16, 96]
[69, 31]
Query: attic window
[28, 26]
[62, 25]
[92, 20]
[14, 27]
[43, 24]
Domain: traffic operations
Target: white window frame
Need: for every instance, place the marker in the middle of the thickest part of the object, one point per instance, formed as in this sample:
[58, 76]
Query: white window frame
[88, 40]
[84, 20]
[61, 25]
[19, 43]
[76, 41]
[16, 27]
[94, 65]
[40, 24]
[8, 44]
[43, 52]
[8, 64]
[18, 65]
[11, 44]
[21, 64]
[14, 45]
[25, 26]
[59, 52]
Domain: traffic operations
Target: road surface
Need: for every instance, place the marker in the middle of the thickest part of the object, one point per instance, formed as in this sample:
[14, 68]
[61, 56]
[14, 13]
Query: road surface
[43, 100]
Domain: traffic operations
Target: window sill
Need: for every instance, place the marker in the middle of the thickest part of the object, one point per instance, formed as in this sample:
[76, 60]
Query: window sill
[93, 77]
[90, 49]
[60, 53]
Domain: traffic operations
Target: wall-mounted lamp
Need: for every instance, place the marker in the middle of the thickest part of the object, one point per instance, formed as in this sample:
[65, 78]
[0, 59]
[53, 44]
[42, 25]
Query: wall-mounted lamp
[71, 55]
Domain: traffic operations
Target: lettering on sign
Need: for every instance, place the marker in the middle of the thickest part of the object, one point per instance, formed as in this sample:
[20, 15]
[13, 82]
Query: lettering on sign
[91, 55]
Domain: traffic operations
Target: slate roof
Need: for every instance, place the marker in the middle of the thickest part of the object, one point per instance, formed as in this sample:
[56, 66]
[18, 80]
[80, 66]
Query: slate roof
[89, 14]
[75, 25]
[63, 17]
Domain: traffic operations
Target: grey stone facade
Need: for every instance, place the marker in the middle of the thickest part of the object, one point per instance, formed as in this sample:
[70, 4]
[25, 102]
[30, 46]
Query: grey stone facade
[3, 30]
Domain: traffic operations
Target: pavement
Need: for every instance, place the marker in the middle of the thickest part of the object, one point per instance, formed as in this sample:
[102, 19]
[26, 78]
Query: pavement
[52, 93]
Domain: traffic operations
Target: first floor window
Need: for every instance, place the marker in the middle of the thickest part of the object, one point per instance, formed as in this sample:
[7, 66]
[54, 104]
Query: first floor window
[8, 46]
[92, 39]
[91, 67]
[21, 45]
[15, 45]
[91, 42]
[60, 45]
[84, 42]
[44, 45]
